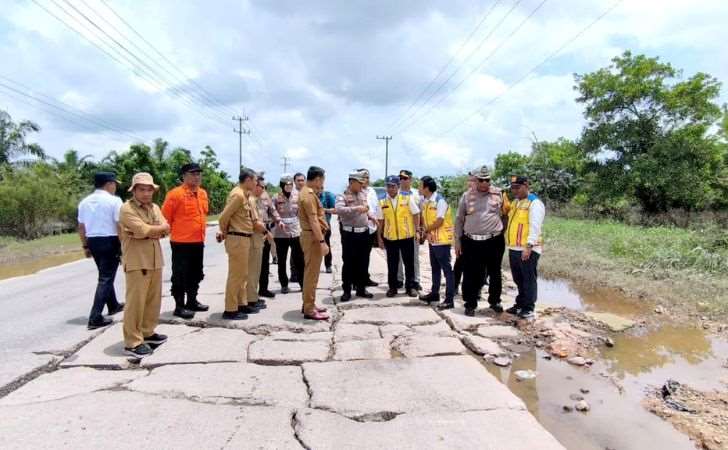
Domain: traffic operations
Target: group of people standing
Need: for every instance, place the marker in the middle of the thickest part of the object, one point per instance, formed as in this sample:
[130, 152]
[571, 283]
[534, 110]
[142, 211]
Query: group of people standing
[253, 226]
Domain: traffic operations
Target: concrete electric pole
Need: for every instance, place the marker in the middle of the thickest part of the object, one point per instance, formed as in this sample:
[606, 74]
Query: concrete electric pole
[386, 140]
[240, 133]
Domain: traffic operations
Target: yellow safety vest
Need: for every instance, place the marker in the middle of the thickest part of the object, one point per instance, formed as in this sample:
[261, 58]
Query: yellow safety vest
[399, 223]
[517, 232]
[444, 235]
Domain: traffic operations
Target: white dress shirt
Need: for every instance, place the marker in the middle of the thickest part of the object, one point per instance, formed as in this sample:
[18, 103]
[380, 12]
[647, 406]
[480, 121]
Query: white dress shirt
[373, 203]
[414, 209]
[99, 213]
[536, 215]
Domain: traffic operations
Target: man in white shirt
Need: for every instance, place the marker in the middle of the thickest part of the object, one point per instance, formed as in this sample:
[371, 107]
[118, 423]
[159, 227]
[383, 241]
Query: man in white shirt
[399, 222]
[98, 227]
[373, 203]
[525, 245]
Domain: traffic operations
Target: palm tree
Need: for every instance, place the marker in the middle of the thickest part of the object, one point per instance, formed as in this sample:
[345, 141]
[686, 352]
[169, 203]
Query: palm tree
[12, 139]
[71, 161]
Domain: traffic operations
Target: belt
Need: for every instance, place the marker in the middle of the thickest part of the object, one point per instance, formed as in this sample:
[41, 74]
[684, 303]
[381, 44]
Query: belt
[238, 233]
[482, 237]
[355, 229]
[289, 220]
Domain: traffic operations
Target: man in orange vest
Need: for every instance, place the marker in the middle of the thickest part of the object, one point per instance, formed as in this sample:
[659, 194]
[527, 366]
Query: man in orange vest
[437, 227]
[525, 245]
[185, 208]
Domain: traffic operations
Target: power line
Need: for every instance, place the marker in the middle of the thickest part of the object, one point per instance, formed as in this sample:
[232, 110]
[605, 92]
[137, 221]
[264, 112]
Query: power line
[533, 69]
[67, 109]
[452, 75]
[479, 66]
[448, 64]
[161, 81]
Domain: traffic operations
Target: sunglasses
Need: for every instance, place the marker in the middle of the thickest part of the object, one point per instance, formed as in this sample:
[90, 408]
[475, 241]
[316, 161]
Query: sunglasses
[483, 180]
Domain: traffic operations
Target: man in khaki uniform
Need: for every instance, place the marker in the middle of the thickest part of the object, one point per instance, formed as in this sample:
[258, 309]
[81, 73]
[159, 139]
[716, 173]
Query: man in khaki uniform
[238, 222]
[257, 242]
[142, 225]
[313, 226]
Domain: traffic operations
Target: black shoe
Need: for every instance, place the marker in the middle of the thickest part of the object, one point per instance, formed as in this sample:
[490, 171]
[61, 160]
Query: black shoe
[412, 292]
[364, 294]
[371, 283]
[513, 310]
[418, 287]
[497, 308]
[140, 351]
[470, 312]
[391, 292]
[400, 284]
[248, 309]
[260, 304]
[345, 297]
[119, 308]
[430, 298]
[156, 339]
[328, 269]
[445, 305]
[234, 315]
[285, 290]
[196, 306]
[275, 260]
[183, 313]
[104, 322]
[526, 315]
[266, 293]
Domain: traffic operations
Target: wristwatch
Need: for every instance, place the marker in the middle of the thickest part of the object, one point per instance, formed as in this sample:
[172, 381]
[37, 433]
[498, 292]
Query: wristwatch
[322, 241]
[529, 245]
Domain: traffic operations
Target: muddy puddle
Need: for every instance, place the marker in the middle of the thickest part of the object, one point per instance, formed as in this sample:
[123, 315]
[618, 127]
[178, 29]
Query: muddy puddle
[9, 270]
[617, 382]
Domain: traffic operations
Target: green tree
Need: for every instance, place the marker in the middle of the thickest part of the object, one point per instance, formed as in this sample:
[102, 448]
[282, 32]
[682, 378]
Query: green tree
[555, 169]
[507, 165]
[649, 135]
[13, 139]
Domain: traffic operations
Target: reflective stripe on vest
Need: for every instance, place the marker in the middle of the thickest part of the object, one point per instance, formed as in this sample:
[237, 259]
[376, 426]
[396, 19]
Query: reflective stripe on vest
[399, 223]
[444, 235]
[517, 232]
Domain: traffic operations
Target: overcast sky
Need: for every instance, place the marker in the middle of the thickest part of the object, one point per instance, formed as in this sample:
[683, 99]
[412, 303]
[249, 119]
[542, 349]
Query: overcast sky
[321, 79]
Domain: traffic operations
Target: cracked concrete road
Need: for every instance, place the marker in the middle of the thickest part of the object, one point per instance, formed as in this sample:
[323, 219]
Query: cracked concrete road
[384, 373]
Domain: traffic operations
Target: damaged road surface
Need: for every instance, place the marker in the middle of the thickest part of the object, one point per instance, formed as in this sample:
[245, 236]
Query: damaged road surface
[380, 374]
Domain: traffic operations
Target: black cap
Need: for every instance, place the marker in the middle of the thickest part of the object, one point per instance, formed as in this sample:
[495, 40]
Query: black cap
[405, 173]
[519, 179]
[190, 167]
[101, 178]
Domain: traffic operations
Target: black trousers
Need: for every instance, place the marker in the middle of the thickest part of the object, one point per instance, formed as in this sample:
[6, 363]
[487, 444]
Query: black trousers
[406, 249]
[354, 268]
[327, 258]
[186, 270]
[264, 268]
[457, 271]
[481, 258]
[297, 262]
[525, 275]
[106, 252]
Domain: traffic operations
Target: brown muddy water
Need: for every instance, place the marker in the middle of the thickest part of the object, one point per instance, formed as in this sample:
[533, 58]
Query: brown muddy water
[16, 269]
[617, 382]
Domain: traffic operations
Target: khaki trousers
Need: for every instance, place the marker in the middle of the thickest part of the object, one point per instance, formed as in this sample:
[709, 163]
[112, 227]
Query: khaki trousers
[143, 301]
[255, 261]
[312, 257]
[238, 251]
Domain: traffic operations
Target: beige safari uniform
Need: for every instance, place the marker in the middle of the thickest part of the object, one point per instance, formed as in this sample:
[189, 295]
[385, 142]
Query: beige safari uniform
[237, 217]
[142, 262]
[310, 210]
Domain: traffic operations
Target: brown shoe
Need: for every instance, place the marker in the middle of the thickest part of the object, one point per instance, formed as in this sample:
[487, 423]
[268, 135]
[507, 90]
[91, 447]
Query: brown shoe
[316, 315]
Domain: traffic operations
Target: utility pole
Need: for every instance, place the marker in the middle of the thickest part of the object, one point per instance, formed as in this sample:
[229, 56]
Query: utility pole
[386, 140]
[286, 159]
[240, 133]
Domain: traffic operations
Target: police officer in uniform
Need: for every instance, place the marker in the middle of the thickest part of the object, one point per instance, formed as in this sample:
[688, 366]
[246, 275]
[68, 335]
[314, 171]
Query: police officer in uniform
[257, 242]
[313, 243]
[353, 211]
[286, 234]
[238, 221]
[142, 225]
[479, 239]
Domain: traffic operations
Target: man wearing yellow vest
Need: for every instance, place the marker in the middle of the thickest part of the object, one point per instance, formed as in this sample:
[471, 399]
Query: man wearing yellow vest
[399, 220]
[525, 245]
[437, 227]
